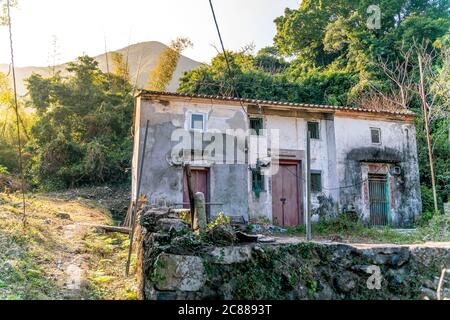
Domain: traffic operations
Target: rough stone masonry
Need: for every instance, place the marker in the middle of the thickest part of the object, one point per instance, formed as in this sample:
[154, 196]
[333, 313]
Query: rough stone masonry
[177, 264]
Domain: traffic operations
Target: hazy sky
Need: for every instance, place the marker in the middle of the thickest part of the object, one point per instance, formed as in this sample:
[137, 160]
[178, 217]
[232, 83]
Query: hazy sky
[80, 26]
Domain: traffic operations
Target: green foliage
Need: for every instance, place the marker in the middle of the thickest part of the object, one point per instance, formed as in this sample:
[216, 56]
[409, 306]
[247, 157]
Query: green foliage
[82, 132]
[8, 126]
[3, 169]
[428, 205]
[162, 73]
[220, 218]
[267, 77]
[324, 53]
[120, 67]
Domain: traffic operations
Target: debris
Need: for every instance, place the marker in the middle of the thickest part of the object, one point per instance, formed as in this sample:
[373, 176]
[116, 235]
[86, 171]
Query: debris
[255, 228]
[336, 238]
[275, 229]
[244, 237]
[63, 215]
[222, 234]
[107, 228]
[265, 239]
[265, 228]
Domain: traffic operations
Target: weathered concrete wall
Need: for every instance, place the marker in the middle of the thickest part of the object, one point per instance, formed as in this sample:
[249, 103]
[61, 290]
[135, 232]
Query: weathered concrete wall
[357, 156]
[162, 180]
[292, 135]
[175, 264]
[343, 154]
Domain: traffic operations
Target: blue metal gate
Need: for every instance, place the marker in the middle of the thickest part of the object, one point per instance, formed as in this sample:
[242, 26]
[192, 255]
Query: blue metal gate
[379, 200]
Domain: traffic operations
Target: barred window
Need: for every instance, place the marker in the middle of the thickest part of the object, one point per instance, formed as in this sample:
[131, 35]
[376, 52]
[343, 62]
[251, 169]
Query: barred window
[257, 182]
[256, 124]
[313, 128]
[316, 182]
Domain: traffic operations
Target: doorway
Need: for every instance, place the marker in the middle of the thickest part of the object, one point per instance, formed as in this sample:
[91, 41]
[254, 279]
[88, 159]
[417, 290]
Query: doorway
[379, 200]
[286, 195]
[200, 183]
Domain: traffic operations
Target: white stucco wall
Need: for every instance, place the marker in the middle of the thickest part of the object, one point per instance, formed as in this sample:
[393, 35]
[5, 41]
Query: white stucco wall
[353, 140]
[340, 136]
[292, 136]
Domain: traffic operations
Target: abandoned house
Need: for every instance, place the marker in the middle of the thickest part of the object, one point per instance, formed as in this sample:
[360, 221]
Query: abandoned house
[362, 161]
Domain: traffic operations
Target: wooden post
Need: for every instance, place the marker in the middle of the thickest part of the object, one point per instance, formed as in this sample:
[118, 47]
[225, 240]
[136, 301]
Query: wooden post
[190, 192]
[427, 130]
[200, 212]
[136, 205]
[308, 186]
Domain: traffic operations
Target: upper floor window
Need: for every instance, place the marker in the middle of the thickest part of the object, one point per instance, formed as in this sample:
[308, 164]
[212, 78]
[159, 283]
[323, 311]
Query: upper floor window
[257, 125]
[375, 135]
[197, 121]
[314, 129]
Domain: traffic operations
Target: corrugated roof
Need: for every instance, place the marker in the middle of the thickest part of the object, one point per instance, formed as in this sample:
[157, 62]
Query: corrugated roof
[275, 103]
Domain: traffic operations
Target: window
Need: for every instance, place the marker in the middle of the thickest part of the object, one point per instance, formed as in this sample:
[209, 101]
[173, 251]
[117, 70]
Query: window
[316, 182]
[197, 122]
[257, 182]
[313, 128]
[256, 124]
[375, 134]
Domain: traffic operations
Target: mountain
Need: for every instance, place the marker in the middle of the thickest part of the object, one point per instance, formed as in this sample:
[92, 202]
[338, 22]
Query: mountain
[141, 59]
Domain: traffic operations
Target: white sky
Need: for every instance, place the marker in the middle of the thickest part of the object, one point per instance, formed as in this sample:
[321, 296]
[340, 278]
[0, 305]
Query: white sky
[81, 25]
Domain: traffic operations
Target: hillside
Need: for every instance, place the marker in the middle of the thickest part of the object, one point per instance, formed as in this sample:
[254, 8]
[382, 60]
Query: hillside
[142, 54]
[59, 255]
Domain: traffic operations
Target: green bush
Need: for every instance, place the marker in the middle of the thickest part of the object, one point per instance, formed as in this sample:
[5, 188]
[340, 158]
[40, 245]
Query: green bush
[428, 205]
[4, 169]
[82, 132]
[220, 218]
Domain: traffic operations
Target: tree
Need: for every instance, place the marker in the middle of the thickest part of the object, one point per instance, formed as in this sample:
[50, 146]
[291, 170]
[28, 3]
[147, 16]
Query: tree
[82, 132]
[159, 78]
[4, 10]
[120, 67]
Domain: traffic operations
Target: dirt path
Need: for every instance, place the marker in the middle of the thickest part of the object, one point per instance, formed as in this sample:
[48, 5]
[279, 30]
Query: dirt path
[60, 255]
[73, 264]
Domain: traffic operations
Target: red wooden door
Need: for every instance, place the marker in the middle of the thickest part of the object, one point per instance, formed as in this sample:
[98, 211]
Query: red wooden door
[285, 195]
[199, 184]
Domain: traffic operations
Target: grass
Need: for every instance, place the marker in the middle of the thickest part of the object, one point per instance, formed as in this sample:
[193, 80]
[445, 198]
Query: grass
[30, 256]
[109, 254]
[344, 229]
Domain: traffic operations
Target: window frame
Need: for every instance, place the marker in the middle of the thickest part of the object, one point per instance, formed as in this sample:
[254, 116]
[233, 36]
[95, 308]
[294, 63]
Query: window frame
[316, 173]
[191, 114]
[317, 122]
[379, 135]
[261, 182]
[258, 131]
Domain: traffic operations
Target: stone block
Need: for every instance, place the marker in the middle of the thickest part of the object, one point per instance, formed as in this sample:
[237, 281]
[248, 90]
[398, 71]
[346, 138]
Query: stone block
[177, 272]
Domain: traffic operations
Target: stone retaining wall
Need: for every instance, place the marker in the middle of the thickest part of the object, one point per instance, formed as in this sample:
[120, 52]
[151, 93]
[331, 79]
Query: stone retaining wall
[176, 264]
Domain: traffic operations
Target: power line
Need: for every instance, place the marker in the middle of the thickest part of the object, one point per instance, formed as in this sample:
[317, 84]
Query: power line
[237, 93]
[16, 107]
[337, 188]
[226, 58]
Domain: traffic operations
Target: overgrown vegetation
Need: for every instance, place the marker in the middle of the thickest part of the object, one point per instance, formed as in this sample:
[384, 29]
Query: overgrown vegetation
[35, 261]
[82, 134]
[343, 228]
[324, 52]
[161, 75]
[76, 128]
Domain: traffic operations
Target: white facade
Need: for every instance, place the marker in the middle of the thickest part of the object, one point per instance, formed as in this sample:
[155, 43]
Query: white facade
[344, 155]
